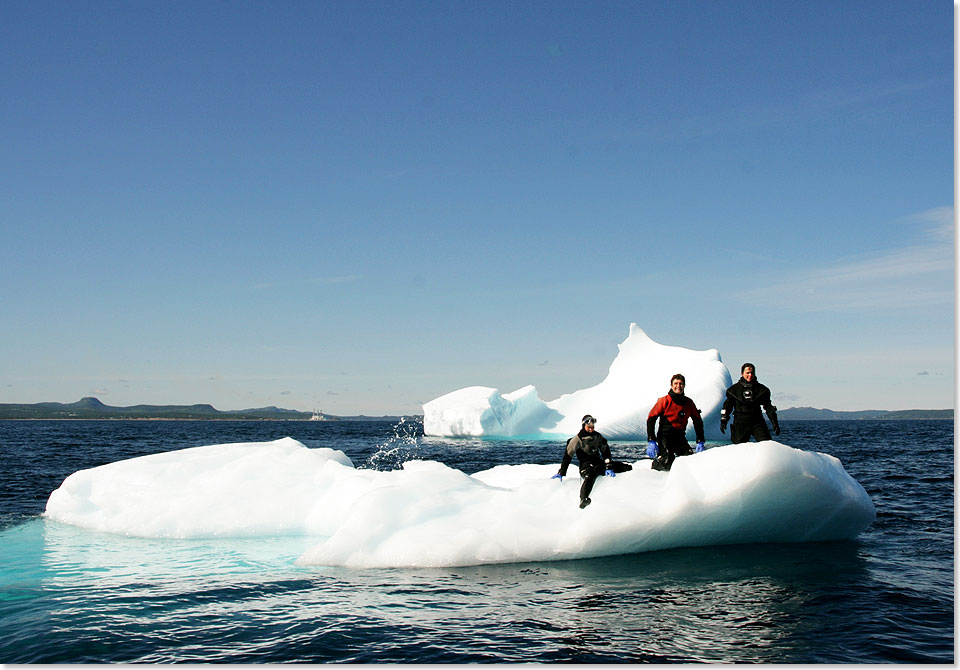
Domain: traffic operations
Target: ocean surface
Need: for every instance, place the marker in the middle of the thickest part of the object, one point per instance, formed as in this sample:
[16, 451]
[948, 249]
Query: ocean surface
[69, 595]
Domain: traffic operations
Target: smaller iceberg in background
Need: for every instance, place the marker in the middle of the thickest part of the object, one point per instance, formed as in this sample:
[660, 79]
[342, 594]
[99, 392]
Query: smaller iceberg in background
[481, 410]
[638, 376]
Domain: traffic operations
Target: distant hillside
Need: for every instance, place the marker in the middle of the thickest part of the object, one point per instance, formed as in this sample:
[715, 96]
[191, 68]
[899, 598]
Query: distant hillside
[813, 414]
[92, 408]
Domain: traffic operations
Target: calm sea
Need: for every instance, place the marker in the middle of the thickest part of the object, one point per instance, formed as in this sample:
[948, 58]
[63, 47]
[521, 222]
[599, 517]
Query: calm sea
[74, 596]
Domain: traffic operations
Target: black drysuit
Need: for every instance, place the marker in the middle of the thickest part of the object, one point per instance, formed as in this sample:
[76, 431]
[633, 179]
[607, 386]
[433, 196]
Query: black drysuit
[746, 400]
[593, 454]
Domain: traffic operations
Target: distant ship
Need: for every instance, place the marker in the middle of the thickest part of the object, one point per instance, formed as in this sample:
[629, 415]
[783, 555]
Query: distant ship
[318, 415]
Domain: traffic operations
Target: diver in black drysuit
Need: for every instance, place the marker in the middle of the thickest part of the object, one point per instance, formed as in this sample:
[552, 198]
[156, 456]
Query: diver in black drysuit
[745, 399]
[593, 454]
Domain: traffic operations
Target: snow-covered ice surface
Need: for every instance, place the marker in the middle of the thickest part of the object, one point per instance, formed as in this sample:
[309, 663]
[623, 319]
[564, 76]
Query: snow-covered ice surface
[639, 375]
[428, 514]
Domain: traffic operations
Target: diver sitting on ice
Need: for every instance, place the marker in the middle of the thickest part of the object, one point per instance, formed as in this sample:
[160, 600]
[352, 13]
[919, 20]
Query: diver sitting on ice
[593, 454]
[673, 410]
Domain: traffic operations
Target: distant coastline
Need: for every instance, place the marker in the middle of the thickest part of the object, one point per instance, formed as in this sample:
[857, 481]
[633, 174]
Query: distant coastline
[90, 408]
[814, 414]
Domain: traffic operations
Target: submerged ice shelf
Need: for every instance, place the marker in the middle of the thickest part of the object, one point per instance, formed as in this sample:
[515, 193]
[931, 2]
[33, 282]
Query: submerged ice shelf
[428, 514]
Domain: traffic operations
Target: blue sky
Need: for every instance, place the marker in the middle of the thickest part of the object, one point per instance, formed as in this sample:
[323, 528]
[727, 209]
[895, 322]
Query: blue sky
[360, 206]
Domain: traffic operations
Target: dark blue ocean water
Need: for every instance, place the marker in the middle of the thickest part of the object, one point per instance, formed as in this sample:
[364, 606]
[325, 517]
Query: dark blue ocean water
[69, 595]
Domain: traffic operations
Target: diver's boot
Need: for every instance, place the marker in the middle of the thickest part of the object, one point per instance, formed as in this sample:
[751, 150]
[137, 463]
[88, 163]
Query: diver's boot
[584, 502]
[661, 463]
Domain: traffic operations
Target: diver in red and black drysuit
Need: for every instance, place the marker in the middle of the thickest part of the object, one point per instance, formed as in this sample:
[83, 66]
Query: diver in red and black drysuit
[593, 454]
[746, 398]
[673, 410]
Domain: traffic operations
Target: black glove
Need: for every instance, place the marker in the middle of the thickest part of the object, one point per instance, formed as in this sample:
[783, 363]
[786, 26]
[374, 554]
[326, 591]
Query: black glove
[723, 420]
[772, 413]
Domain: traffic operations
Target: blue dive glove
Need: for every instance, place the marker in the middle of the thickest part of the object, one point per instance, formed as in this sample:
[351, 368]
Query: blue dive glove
[609, 473]
[652, 449]
[558, 476]
[699, 448]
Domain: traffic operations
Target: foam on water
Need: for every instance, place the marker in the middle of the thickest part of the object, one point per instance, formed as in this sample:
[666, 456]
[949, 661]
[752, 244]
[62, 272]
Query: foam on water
[428, 514]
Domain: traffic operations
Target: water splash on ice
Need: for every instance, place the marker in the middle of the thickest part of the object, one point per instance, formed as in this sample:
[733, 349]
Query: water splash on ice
[403, 446]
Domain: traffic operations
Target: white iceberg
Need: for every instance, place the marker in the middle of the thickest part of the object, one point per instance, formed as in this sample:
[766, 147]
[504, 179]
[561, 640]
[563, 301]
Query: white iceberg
[221, 490]
[638, 376]
[428, 514]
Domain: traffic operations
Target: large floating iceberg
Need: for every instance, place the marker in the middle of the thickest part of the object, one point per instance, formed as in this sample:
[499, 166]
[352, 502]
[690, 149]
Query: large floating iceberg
[428, 514]
[638, 376]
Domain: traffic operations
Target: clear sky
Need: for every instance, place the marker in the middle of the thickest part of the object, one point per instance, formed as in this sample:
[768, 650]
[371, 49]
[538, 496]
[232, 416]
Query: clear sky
[361, 206]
